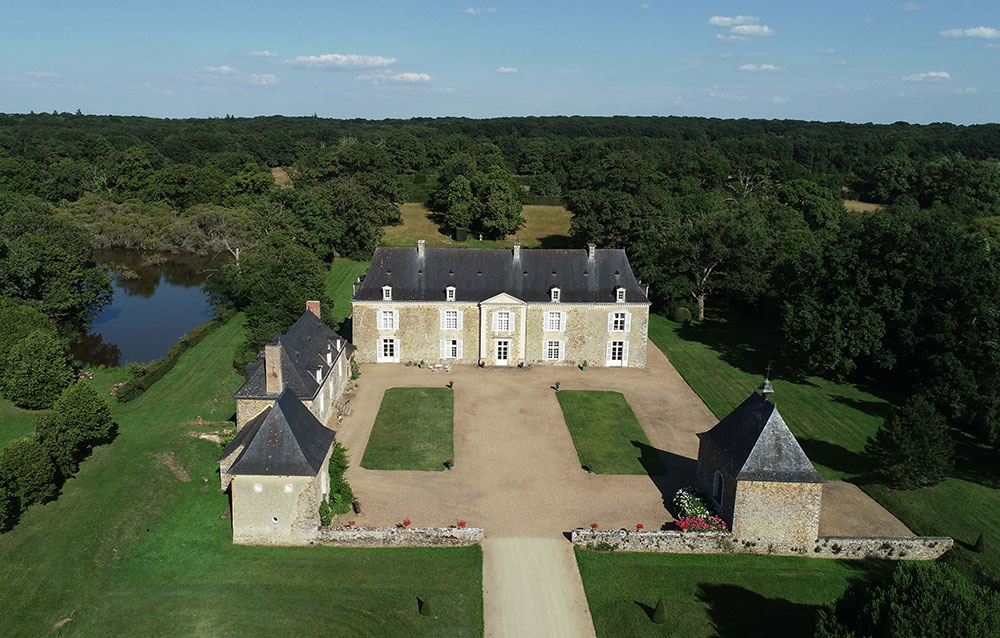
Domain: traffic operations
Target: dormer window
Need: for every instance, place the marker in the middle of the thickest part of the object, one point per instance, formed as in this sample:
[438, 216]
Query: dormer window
[556, 295]
[449, 293]
[386, 293]
[620, 294]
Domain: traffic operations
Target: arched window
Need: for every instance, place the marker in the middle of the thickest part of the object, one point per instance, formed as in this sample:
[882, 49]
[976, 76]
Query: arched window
[717, 489]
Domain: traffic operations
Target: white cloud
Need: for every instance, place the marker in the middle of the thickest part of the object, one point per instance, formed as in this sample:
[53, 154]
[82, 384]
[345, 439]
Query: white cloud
[779, 99]
[221, 70]
[264, 79]
[407, 77]
[642, 6]
[507, 69]
[969, 90]
[340, 61]
[910, 6]
[734, 39]
[762, 67]
[985, 33]
[262, 54]
[677, 99]
[724, 21]
[991, 46]
[477, 10]
[752, 29]
[825, 51]
[930, 75]
[42, 75]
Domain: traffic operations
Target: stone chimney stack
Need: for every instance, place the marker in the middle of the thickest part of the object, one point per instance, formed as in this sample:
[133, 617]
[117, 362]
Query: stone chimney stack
[273, 382]
[517, 252]
[313, 307]
[420, 248]
[591, 251]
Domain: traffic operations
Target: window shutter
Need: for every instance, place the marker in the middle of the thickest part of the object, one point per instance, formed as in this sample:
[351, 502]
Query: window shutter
[443, 348]
[395, 350]
[444, 325]
[395, 320]
[459, 353]
[562, 320]
[496, 321]
[607, 354]
[628, 321]
[562, 350]
[545, 321]
[611, 327]
[460, 327]
[625, 354]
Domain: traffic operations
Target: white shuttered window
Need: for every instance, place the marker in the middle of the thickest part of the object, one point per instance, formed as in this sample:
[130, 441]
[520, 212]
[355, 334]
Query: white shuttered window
[554, 321]
[451, 319]
[388, 319]
[451, 348]
[554, 350]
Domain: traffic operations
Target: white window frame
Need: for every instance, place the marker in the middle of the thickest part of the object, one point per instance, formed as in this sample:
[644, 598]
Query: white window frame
[560, 321]
[620, 295]
[381, 355]
[556, 295]
[456, 314]
[609, 354]
[508, 316]
[386, 293]
[449, 293]
[548, 345]
[619, 325]
[451, 348]
[393, 324]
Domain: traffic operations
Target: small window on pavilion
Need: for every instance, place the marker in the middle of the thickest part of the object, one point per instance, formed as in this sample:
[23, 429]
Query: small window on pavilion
[619, 294]
[449, 293]
[556, 295]
[387, 293]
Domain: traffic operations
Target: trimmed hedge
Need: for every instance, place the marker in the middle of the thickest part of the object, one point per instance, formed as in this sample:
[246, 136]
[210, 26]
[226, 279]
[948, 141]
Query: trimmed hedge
[158, 369]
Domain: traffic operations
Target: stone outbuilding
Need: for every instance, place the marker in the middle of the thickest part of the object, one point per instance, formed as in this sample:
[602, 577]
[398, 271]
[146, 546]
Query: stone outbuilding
[277, 471]
[758, 478]
[311, 360]
[501, 307]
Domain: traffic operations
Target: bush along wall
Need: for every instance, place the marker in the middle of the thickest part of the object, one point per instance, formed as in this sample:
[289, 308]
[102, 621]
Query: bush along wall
[155, 371]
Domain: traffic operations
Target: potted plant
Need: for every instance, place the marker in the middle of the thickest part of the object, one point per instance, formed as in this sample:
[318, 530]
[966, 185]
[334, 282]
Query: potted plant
[584, 366]
[589, 467]
[461, 524]
[557, 386]
[422, 365]
[449, 464]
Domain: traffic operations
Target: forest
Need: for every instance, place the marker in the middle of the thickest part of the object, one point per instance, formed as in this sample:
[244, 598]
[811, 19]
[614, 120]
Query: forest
[742, 216]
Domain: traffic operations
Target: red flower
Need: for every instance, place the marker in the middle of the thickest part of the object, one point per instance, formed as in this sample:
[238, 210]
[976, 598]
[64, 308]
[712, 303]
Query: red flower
[639, 526]
[461, 525]
[406, 522]
[593, 526]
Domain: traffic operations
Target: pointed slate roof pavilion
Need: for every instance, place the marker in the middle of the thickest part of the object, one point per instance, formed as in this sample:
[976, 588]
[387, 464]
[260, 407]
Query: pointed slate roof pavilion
[754, 444]
[283, 440]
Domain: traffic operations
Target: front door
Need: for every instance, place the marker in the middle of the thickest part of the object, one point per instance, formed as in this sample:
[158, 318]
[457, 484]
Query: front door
[503, 351]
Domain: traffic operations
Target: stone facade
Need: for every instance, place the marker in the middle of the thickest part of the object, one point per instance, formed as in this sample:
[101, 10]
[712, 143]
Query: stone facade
[786, 513]
[419, 327]
[707, 467]
[677, 542]
[396, 537]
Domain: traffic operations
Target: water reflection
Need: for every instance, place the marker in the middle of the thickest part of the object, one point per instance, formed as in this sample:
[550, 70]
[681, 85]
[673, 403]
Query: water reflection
[158, 298]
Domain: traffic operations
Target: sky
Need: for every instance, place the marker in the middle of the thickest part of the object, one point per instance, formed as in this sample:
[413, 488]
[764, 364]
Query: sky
[849, 60]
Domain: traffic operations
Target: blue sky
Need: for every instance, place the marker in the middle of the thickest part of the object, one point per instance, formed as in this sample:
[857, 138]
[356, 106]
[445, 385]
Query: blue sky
[848, 60]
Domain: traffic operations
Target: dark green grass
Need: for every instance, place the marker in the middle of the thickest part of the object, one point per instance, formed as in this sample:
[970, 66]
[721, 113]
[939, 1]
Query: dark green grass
[606, 433]
[414, 430]
[721, 595]
[339, 286]
[15, 422]
[129, 550]
[723, 360]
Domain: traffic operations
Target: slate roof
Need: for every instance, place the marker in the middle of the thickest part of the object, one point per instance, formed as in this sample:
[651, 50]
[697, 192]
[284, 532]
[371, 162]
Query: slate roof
[754, 444]
[283, 440]
[303, 350]
[479, 274]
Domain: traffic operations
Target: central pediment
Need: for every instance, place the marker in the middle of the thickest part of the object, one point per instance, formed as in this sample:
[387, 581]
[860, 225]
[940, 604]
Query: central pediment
[503, 299]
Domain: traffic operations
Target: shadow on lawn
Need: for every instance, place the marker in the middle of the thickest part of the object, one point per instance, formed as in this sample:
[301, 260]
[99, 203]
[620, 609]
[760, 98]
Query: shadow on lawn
[737, 612]
[836, 457]
[669, 472]
[872, 408]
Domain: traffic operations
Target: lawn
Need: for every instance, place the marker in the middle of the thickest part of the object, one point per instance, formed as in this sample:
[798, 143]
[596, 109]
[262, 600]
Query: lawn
[414, 430]
[15, 422]
[129, 548]
[722, 360]
[720, 595]
[340, 288]
[546, 227]
[606, 433]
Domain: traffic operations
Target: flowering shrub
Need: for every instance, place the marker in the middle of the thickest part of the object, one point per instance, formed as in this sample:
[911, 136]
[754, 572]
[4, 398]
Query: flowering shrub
[688, 503]
[700, 524]
[639, 527]
[406, 523]
[593, 526]
[461, 525]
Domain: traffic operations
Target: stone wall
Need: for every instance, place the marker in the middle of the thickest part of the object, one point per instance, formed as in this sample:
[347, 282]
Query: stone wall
[677, 542]
[396, 537]
[247, 409]
[419, 332]
[768, 511]
[283, 511]
[707, 466]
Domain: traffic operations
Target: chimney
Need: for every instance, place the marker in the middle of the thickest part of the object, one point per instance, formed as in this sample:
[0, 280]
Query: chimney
[420, 248]
[313, 307]
[273, 382]
[591, 251]
[517, 252]
[329, 354]
[319, 374]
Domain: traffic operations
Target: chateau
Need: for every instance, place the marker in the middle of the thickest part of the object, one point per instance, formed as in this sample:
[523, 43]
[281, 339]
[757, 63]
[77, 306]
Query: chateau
[501, 307]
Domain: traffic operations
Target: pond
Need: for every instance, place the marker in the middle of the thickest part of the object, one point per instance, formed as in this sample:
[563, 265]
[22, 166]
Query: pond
[158, 298]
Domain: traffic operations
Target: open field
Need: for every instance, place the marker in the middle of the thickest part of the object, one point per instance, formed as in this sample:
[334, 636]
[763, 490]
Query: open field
[861, 207]
[724, 595]
[546, 227]
[606, 433]
[414, 430]
[339, 286]
[127, 529]
[723, 360]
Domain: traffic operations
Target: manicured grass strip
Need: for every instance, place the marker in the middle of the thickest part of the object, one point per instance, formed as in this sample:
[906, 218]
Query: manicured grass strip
[339, 285]
[546, 226]
[15, 422]
[720, 595]
[722, 361]
[414, 430]
[129, 549]
[606, 433]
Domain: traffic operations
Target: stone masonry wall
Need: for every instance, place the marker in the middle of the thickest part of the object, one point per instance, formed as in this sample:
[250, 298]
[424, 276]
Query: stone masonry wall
[705, 479]
[786, 513]
[419, 331]
[396, 537]
[296, 509]
[247, 409]
[586, 333]
[677, 542]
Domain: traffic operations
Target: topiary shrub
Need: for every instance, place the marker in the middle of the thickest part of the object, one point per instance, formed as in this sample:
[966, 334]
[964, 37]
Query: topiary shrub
[425, 607]
[682, 315]
[325, 514]
[660, 612]
[980, 545]
[341, 494]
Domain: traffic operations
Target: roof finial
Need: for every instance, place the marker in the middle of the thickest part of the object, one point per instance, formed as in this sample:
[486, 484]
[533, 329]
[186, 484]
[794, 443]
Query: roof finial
[766, 390]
